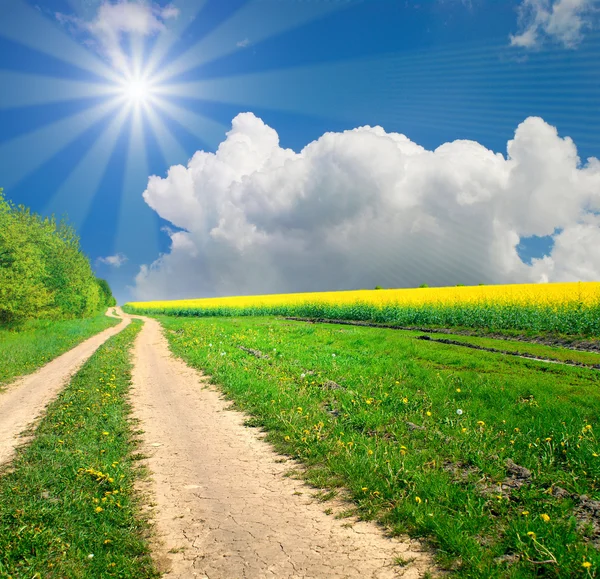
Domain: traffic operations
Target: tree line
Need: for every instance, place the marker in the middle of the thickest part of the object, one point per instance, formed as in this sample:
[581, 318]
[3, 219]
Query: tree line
[43, 272]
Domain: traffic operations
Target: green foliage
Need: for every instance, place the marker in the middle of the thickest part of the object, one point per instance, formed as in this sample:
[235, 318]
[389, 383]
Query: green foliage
[43, 272]
[423, 285]
[108, 298]
[377, 287]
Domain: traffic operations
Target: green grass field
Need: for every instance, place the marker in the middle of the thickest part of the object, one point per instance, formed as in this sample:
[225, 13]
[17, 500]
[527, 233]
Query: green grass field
[68, 507]
[492, 459]
[38, 341]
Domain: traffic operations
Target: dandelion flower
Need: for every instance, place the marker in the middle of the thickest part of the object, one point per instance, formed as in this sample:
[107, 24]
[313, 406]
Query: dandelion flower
[458, 389]
[418, 500]
[428, 413]
[525, 513]
[480, 423]
[586, 564]
[98, 509]
[531, 534]
[545, 518]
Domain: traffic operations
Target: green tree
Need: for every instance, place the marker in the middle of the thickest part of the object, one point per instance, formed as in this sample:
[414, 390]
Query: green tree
[43, 272]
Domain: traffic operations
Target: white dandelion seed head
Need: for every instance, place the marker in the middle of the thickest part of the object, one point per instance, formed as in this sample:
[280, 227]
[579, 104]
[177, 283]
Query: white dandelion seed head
[302, 375]
[459, 412]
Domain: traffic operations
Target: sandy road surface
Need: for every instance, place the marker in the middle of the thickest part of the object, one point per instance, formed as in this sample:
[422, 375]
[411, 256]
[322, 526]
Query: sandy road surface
[25, 399]
[224, 510]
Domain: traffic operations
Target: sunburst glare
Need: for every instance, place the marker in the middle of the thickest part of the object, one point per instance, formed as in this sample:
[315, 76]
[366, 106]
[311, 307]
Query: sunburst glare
[137, 90]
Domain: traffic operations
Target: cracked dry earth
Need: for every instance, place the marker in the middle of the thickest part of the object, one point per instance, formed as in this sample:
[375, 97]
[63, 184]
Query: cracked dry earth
[223, 507]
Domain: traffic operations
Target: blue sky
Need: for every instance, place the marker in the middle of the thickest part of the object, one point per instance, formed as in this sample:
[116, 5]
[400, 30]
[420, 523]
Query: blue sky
[83, 129]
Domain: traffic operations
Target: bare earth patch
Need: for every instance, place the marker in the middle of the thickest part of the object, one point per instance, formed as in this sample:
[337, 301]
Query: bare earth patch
[24, 400]
[224, 508]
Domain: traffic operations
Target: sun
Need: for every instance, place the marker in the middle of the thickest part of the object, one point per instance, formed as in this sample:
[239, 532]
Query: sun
[136, 90]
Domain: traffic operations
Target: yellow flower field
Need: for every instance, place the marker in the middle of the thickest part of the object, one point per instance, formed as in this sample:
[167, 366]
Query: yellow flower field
[586, 293]
[568, 308]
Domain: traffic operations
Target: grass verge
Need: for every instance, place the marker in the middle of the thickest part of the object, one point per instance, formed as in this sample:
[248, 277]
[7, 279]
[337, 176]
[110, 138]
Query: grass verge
[68, 507]
[493, 459]
[38, 341]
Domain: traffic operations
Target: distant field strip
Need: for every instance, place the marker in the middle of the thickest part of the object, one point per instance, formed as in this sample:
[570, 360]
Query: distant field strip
[569, 308]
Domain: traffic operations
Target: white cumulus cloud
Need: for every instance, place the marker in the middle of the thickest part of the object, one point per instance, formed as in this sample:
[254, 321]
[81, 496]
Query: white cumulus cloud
[562, 21]
[366, 207]
[116, 260]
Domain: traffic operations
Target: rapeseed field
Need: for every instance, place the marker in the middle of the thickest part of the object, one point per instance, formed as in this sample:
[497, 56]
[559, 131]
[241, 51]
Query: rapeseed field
[569, 308]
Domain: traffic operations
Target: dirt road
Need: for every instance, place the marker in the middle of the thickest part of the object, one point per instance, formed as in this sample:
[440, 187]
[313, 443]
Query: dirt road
[25, 399]
[224, 508]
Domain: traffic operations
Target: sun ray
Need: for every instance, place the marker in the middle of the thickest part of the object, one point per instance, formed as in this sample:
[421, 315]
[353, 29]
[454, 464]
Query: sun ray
[188, 10]
[137, 234]
[23, 90]
[24, 154]
[172, 151]
[78, 190]
[25, 25]
[248, 24]
[209, 131]
[389, 83]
